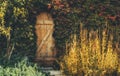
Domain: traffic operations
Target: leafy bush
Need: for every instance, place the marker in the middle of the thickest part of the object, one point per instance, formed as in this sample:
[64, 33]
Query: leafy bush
[93, 55]
[23, 68]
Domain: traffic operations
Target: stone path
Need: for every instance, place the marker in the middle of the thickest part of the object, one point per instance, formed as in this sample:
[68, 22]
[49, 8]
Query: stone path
[52, 72]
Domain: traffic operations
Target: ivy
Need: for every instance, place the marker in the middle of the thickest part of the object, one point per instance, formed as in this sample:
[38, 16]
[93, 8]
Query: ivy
[18, 17]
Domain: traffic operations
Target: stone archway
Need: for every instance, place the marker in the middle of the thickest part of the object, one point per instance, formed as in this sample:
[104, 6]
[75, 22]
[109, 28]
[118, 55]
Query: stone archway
[45, 53]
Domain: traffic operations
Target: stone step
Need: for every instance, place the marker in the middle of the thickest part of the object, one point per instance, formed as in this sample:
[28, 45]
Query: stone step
[54, 73]
[51, 71]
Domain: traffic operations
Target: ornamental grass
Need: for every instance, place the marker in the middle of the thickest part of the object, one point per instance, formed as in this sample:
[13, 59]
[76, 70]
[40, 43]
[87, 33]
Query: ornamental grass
[92, 54]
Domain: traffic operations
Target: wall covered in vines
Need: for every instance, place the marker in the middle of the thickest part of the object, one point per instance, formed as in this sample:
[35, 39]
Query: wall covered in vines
[17, 20]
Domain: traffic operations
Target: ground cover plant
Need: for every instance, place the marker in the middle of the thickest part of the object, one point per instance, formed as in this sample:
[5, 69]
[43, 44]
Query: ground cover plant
[21, 68]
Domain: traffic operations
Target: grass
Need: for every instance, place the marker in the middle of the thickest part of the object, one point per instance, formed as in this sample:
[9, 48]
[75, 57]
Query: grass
[91, 55]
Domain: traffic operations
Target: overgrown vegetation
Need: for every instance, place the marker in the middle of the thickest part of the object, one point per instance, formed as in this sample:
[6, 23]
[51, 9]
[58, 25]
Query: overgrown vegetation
[16, 31]
[22, 68]
[18, 39]
[92, 13]
[92, 54]
[17, 18]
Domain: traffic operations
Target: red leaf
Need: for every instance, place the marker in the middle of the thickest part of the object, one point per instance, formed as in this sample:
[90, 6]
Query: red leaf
[100, 14]
[112, 18]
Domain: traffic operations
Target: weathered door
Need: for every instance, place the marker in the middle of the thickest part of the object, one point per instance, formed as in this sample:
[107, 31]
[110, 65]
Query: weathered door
[45, 42]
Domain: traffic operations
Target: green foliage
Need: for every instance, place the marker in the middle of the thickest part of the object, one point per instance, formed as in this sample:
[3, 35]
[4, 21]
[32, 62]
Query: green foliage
[17, 28]
[22, 68]
[17, 19]
[93, 13]
[3, 30]
[17, 32]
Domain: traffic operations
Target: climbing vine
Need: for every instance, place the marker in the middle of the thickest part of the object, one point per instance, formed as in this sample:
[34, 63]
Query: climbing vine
[17, 19]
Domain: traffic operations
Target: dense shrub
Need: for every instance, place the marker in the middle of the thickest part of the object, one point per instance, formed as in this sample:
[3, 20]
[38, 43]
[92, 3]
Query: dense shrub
[17, 20]
[92, 54]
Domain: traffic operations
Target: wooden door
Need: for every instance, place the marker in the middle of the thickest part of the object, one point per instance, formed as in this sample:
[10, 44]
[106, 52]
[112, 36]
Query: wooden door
[45, 41]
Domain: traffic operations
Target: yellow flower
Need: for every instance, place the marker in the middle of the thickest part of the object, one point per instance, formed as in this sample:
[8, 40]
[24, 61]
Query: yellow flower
[1, 15]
